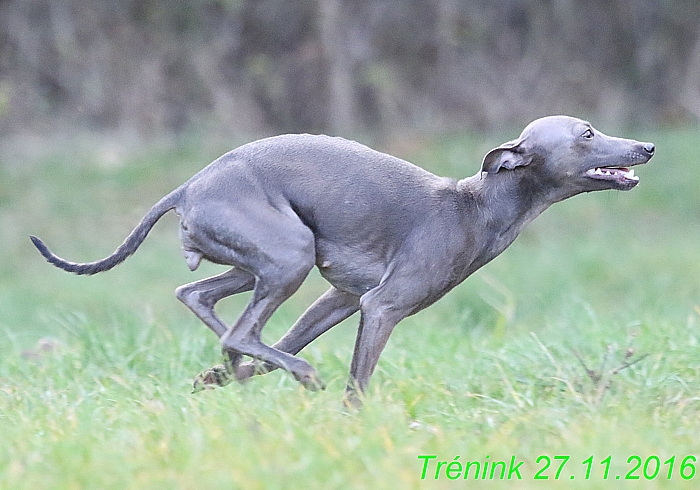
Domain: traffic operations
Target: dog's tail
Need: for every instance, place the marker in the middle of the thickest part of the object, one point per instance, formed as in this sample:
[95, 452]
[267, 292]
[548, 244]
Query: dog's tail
[132, 242]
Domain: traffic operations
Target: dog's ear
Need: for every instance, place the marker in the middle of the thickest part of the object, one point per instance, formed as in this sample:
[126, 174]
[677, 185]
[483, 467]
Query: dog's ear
[508, 156]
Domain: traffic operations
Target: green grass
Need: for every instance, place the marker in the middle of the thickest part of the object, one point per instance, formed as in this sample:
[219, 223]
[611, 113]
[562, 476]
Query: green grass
[493, 370]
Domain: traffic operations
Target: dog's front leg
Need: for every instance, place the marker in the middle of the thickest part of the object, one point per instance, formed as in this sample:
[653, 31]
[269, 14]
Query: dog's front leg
[376, 324]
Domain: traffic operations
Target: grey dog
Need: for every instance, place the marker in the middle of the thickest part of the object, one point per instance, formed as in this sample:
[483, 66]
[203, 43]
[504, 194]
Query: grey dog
[390, 237]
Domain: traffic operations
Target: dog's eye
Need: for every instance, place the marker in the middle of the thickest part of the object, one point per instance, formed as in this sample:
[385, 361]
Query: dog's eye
[588, 134]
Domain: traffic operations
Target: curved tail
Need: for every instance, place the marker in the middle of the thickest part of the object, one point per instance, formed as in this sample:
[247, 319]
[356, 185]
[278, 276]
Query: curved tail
[131, 243]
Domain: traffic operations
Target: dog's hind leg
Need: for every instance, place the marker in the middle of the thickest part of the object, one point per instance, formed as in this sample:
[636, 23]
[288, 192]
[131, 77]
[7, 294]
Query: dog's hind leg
[331, 308]
[263, 237]
[275, 248]
[270, 291]
[201, 296]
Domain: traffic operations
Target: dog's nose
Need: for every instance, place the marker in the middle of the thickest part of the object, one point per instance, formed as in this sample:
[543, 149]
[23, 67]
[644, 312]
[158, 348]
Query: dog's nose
[649, 148]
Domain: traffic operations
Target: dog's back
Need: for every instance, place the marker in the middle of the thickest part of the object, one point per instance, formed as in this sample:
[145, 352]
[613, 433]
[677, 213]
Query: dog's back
[324, 180]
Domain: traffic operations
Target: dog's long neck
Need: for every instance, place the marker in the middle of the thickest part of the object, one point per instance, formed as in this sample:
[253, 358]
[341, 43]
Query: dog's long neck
[502, 205]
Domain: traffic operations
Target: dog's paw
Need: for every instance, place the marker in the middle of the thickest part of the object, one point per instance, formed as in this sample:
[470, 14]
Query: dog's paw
[352, 400]
[216, 376]
[310, 381]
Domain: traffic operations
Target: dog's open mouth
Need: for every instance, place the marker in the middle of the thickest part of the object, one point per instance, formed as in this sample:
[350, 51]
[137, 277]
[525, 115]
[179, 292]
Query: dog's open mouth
[620, 175]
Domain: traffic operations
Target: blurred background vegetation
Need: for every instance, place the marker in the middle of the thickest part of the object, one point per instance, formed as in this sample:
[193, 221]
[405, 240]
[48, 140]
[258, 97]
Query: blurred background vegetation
[153, 67]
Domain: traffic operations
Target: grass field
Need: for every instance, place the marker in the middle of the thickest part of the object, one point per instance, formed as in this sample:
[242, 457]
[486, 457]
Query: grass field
[581, 340]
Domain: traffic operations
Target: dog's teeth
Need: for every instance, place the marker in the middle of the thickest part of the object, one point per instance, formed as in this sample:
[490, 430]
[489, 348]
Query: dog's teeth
[630, 175]
[612, 173]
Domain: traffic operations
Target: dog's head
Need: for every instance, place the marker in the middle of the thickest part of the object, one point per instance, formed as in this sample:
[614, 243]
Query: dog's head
[570, 154]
